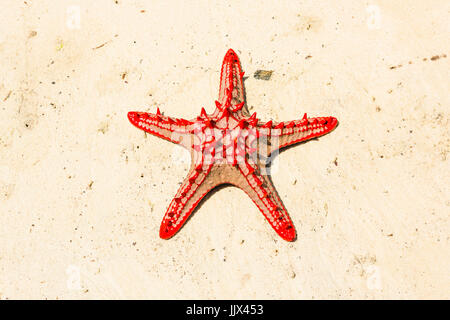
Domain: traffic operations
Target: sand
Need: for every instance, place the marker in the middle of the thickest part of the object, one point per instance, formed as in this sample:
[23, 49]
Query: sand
[83, 192]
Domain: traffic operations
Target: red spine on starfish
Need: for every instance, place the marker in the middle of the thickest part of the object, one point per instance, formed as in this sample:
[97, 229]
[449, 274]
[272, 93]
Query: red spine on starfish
[225, 149]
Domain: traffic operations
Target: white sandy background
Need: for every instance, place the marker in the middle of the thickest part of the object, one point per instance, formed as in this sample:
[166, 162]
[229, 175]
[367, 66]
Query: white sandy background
[83, 192]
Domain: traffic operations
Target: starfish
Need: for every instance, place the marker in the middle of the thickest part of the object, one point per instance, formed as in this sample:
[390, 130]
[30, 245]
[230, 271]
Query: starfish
[230, 146]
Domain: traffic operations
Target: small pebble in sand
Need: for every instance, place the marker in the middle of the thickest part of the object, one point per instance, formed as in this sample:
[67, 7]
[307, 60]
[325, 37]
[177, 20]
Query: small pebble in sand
[263, 74]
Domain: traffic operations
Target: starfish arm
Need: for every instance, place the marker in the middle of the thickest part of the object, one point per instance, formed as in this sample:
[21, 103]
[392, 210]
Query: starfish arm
[171, 129]
[260, 189]
[194, 187]
[231, 79]
[284, 134]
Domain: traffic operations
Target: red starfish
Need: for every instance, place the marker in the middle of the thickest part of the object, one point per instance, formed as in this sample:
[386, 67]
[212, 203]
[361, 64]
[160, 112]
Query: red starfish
[230, 147]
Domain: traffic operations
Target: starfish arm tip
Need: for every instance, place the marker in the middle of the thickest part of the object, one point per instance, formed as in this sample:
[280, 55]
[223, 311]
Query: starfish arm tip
[131, 115]
[289, 235]
[334, 122]
[165, 233]
[230, 51]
